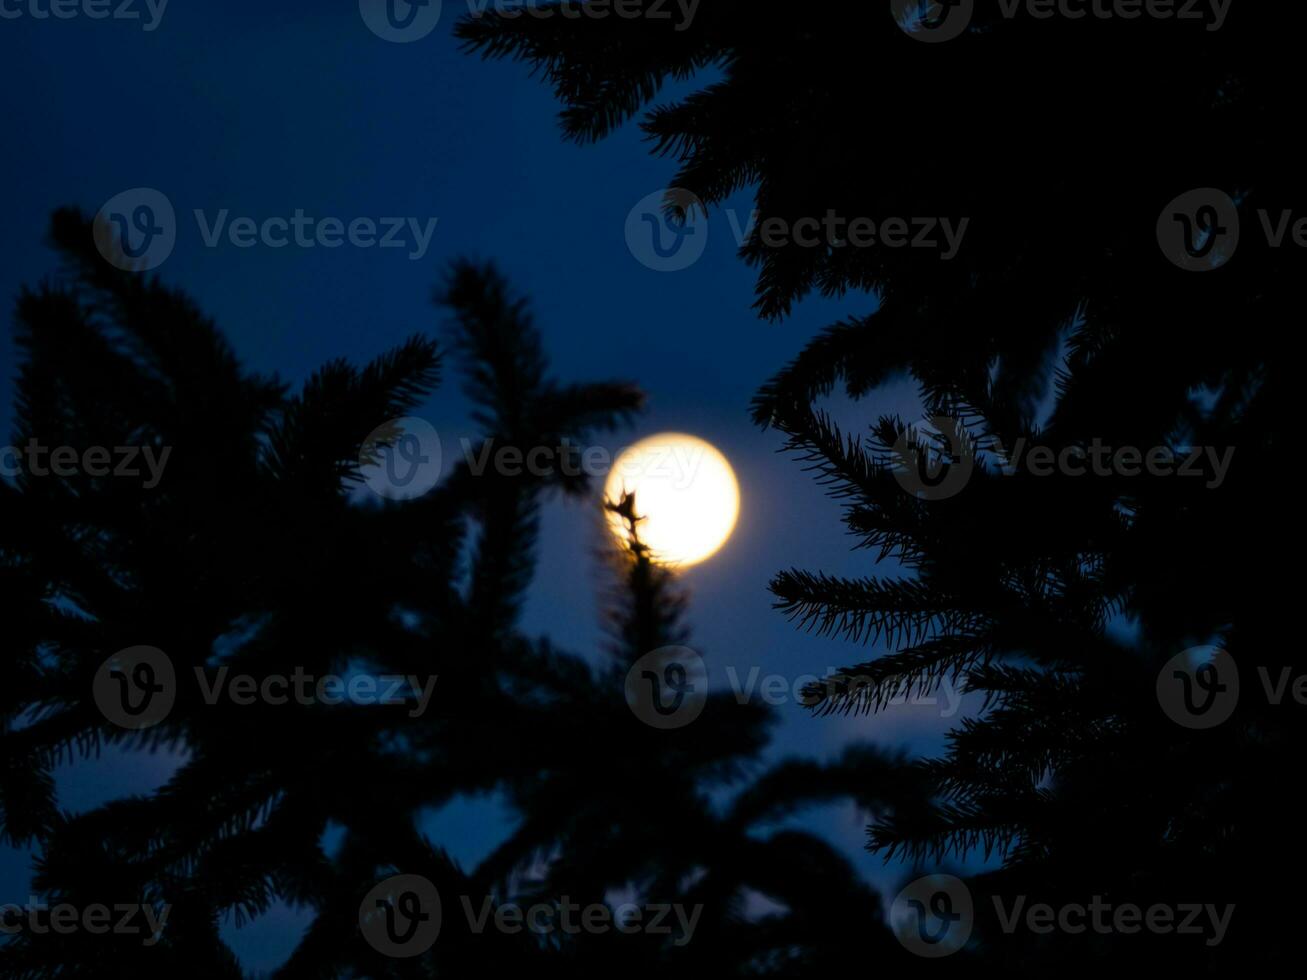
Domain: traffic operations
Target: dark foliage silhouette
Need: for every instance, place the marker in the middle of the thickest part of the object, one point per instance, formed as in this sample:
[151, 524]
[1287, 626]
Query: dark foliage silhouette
[255, 553]
[1060, 322]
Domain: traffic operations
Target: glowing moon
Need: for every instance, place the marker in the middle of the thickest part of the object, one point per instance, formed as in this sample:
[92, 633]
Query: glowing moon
[685, 491]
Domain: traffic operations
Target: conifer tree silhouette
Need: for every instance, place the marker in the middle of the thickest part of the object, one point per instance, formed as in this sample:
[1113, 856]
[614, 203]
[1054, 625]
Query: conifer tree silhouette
[253, 554]
[1059, 322]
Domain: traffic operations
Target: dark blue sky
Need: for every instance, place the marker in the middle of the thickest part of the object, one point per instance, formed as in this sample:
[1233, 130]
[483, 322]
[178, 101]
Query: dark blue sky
[265, 109]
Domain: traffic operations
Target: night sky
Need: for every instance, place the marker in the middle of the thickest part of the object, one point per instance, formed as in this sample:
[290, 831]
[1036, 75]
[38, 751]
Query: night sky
[264, 109]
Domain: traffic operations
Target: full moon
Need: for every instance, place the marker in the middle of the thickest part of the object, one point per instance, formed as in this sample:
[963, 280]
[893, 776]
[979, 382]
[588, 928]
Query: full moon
[685, 494]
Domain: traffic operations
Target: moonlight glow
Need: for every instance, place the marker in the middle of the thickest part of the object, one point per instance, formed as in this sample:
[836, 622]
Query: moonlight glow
[685, 491]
